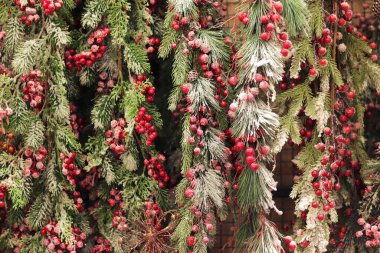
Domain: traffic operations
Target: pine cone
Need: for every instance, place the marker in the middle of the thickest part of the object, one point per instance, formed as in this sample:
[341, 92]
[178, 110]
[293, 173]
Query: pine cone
[192, 76]
[376, 8]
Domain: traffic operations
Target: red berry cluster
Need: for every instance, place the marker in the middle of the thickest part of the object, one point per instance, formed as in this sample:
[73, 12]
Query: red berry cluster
[153, 45]
[290, 243]
[340, 236]
[367, 26]
[152, 212]
[34, 162]
[370, 230]
[205, 228]
[144, 126]
[115, 200]
[55, 244]
[197, 126]
[252, 151]
[106, 82]
[3, 191]
[87, 58]
[179, 21]
[2, 36]
[69, 169]
[5, 71]
[119, 221]
[149, 91]
[50, 6]
[29, 10]
[76, 123]
[346, 16]
[78, 200]
[116, 136]
[33, 88]
[6, 112]
[102, 245]
[156, 169]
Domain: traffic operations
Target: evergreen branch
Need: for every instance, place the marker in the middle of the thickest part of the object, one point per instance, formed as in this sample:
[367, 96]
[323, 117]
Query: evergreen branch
[202, 94]
[263, 57]
[14, 36]
[317, 17]
[118, 20]
[136, 58]
[27, 55]
[214, 40]
[35, 135]
[304, 51]
[296, 14]
[255, 190]
[101, 114]
[94, 12]
[58, 36]
[40, 211]
[181, 67]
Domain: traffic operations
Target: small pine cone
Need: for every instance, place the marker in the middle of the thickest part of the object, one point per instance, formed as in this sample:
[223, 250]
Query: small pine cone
[195, 26]
[192, 76]
[376, 8]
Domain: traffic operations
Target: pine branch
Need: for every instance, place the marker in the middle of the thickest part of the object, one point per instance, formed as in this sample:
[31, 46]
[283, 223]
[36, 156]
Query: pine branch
[181, 67]
[27, 55]
[317, 17]
[304, 51]
[94, 12]
[56, 35]
[40, 211]
[118, 20]
[35, 135]
[13, 37]
[101, 114]
[296, 15]
[202, 94]
[136, 58]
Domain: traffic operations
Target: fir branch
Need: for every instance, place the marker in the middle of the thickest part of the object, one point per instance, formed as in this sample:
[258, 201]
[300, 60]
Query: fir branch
[181, 66]
[304, 51]
[40, 211]
[58, 102]
[170, 35]
[209, 190]
[56, 35]
[136, 58]
[185, 7]
[50, 178]
[14, 36]
[94, 12]
[118, 20]
[263, 57]
[256, 10]
[20, 119]
[35, 135]
[253, 116]
[27, 55]
[202, 94]
[101, 114]
[107, 170]
[296, 14]
[214, 40]
[187, 151]
[317, 17]
[255, 190]
[214, 144]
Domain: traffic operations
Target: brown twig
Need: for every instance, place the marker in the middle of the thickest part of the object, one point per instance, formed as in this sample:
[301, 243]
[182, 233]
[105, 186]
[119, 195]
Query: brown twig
[332, 88]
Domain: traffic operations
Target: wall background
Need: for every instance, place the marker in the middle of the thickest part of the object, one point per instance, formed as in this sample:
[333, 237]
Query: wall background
[283, 174]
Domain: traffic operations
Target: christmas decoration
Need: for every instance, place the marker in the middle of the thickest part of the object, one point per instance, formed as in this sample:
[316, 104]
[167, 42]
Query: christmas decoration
[91, 160]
